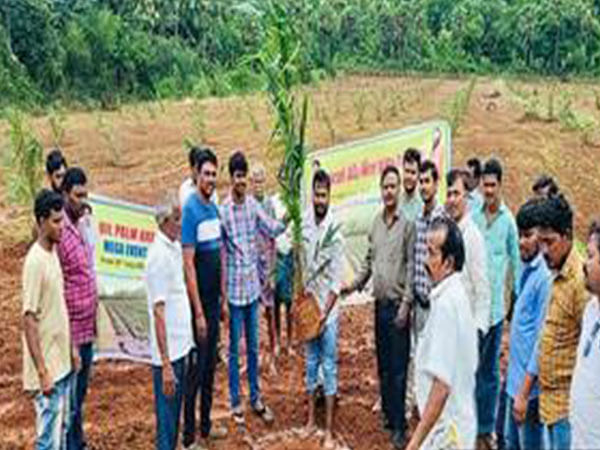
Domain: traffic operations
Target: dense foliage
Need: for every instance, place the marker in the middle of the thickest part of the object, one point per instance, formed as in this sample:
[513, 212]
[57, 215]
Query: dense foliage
[111, 50]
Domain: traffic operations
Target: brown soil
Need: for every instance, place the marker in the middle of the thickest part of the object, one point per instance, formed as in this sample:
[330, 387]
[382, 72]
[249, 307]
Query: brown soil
[119, 411]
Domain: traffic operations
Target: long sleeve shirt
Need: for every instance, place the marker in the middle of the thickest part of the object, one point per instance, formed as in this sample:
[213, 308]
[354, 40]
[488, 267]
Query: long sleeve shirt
[390, 259]
[474, 273]
[526, 326]
[324, 258]
[241, 225]
[502, 247]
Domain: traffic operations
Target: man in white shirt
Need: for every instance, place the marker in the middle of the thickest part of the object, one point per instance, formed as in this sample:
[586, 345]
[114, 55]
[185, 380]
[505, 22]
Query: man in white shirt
[447, 352]
[171, 336]
[585, 388]
[188, 187]
[474, 273]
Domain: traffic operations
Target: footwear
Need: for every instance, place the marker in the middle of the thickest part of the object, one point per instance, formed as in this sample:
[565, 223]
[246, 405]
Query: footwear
[399, 440]
[263, 411]
[238, 416]
[218, 432]
[377, 406]
[487, 441]
[196, 446]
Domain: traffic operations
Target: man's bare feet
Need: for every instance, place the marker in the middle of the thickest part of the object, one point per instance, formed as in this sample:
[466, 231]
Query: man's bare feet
[328, 442]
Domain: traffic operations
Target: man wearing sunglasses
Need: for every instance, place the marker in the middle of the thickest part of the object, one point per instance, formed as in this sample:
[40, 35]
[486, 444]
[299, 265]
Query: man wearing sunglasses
[585, 389]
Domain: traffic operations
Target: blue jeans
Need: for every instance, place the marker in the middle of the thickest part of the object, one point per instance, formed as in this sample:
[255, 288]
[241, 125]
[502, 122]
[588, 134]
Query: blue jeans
[52, 416]
[558, 435]
[488, 379]
[168, 409]
[79, 390]
[527, 435]
[247, 317]
[322, 351]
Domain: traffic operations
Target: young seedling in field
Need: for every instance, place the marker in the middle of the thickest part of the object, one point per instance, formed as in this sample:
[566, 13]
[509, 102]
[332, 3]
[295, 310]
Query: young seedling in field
[199, 120]
[329, 125]
[23, 160]
[108, 134]
[360, 106]
[57, 120]
[250, 114]
[458, 106]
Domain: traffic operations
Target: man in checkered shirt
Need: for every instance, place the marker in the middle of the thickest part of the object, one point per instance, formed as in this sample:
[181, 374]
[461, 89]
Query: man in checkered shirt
[81, 294]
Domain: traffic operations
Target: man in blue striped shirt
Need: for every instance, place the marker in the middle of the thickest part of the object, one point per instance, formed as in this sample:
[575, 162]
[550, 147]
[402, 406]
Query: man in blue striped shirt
[523, 428]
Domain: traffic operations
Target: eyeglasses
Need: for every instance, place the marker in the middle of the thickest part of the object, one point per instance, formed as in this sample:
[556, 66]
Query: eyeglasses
[588, 345]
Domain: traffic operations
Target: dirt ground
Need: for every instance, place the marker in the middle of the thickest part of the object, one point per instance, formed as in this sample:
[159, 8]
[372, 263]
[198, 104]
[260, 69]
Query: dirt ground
[149, 139]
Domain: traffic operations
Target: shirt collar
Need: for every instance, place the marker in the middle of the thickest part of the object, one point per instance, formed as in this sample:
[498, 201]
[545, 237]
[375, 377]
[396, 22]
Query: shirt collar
[570, 267]
[162, 237]
[446, 284]
[535, 262]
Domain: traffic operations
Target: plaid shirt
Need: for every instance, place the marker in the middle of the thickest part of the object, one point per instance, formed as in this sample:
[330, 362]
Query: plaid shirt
[422, 224]
[266, 246]
[241, 225]
[81, 294]
[559, 339]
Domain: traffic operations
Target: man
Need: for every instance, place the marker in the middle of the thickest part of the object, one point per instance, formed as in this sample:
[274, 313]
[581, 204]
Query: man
[390, 261]
[474, 196]
[523, 429]
[447, 352]
[81, 292]
[189, 185]
[585, 390]
[474, 274]
[411, 203]
[428, 182]
[56, 167]
[201, 240]
[562, 326]
[324, 269]
[47, 349]
[545, 187]
[266, 259]
[242, 219]
[496, 223]
[171, 337]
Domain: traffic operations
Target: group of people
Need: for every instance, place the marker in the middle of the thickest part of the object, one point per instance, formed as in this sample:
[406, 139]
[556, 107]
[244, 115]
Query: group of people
[449, 280]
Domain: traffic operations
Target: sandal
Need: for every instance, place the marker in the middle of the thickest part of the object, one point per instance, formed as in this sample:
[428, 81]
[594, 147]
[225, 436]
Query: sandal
[264, 412]
[238, 416]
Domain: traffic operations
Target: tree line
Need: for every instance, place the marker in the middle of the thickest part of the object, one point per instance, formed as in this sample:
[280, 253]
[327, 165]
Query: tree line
[102, 52]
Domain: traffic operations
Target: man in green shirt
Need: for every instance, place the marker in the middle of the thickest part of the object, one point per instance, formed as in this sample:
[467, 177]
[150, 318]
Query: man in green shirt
[411, 203]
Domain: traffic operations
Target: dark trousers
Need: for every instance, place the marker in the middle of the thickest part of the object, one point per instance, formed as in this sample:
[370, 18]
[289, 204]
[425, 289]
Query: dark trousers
[393, 352]
[200, 373]
[487, 387]
[81, 379]
[168, 409]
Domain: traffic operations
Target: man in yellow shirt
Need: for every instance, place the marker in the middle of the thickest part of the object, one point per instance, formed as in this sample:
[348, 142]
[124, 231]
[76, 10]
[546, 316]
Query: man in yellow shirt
[562, 326]
[47, 351]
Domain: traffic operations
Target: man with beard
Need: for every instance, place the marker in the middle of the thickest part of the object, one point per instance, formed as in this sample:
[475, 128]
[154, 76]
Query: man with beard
[446, 358]
[48, 356]
[390, 261]
[562, 327]
[56, 167]
[410, 201]
[497, 225]
[585, 389]
[242, 220]
[189, 185]
[201, 241]
[81, 293]
[474, 273]
[523, 429]
[324, 269]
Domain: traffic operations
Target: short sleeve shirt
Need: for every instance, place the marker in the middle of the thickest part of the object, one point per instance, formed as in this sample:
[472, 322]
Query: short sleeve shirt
[165, 283]
[43, 296]
[200, 225]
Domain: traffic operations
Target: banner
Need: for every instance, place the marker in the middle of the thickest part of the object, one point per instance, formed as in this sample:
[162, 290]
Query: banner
[355, 169]
[123, 233]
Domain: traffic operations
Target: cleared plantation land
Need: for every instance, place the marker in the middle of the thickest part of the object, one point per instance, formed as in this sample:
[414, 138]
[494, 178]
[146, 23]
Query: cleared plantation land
[136, 153]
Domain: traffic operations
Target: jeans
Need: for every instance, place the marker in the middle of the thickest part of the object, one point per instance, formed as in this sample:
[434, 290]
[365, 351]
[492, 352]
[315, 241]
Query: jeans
[168, 409]
[247, 317]
[322, 352]
[558, 435]
[393, 354]
[488, 379]
[52, 416]
[80, 382]
[527, 435]
[501, 416]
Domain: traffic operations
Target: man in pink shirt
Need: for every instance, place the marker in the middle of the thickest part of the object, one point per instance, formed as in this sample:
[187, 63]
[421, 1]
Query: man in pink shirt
[81, 294]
